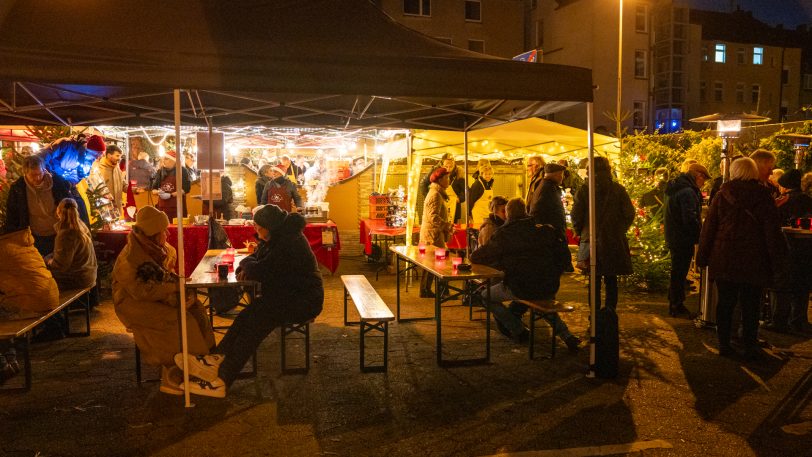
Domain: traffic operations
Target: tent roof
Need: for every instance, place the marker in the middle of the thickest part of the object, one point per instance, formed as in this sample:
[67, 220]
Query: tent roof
[514, 140]
[328, 63]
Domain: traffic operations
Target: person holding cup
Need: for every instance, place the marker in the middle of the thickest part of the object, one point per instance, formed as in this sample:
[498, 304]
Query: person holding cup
[163, 186]
[145, 295]
[435, 229]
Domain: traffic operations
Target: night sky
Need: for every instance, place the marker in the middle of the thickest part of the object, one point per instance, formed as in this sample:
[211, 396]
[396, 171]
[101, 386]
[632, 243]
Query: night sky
[791, 13]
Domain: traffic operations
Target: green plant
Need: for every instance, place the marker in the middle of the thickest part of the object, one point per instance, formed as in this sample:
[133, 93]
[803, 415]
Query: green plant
[95, 196]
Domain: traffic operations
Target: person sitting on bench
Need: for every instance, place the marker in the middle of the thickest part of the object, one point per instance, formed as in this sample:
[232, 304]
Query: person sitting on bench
[530, 254]
[292, 292]
[146, 295]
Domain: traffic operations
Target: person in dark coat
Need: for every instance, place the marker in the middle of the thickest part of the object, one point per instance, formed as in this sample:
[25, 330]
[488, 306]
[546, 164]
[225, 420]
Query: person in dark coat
[495, 220]
[548, 208]
[263, 176]
[742, 246]
[791, 304]
[615, 214]
[292, 292]
[49, 189]
[532, 258]
[223, 206]
[163, 186]
[535, 173]
[683, 207]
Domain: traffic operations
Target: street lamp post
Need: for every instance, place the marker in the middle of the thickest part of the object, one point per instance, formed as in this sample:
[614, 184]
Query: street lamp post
[619, 76]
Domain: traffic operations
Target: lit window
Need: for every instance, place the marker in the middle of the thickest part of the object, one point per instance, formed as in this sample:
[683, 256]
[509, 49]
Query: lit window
[718, 91]
[719, 54]
[476, 46]
[417, 7]
[755, 92]
[473, 10]
[758, 55]
[641, 18]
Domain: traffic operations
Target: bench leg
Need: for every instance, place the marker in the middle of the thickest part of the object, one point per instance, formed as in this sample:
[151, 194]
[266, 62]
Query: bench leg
[84, 302]
[382, 327]
[287, 329]
[137, 365]
[535, 316]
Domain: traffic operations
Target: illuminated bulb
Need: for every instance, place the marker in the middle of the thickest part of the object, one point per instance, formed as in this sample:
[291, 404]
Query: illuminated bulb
[232, 150]
[161, 151]
[35, 147]
[194, 149]
[379, 149]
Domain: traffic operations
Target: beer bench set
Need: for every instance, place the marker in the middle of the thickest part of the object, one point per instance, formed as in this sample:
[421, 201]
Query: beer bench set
[18, 331]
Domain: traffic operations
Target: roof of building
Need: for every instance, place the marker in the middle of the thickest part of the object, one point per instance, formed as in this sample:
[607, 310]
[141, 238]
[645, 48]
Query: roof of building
[741, 27]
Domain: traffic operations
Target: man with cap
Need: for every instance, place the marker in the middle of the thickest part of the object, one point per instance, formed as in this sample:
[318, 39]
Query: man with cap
[106, 172]
[292, 292]
[547, 207]
[280, 191]
[683, 209]
[163, 186]
[145, 295]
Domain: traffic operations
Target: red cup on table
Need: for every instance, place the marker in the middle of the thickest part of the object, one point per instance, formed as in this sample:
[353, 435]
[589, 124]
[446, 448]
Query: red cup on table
[421, 248]
[439, 253]
[222, 270]
[455, 261]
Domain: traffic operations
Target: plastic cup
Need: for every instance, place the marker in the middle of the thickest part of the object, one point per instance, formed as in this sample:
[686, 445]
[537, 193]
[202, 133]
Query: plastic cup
[439, 253]
[455, 261]
[222, 270]
[421, 248]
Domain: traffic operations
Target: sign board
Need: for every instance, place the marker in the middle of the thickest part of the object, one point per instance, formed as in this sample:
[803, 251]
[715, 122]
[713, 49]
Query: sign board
[529, 56]
[217, 189]
[211, 149]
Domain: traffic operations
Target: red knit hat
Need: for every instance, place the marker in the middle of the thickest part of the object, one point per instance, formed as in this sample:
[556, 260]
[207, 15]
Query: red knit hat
[438, 174]
[96, 143]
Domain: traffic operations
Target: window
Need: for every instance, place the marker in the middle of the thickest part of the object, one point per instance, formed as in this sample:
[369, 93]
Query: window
[739, 92]
[476, 46]
[703, 96]
[705, 56]
[718, 91]
[640, 63]
[740, 56]
[755, 93]
[641, 18]
[785, 76]
[758, 55]
[808, 81]
[639, 115]
[417, 7]
[719, 54]
[473, 10]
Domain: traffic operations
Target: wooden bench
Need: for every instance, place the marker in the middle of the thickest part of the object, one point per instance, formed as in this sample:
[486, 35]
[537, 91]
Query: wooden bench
[538, 310]
[18, 331]
[373, 314]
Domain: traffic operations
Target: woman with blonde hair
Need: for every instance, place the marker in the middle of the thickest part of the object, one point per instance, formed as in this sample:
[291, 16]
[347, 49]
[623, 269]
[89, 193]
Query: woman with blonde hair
[742, 246]
[73, 262]
[480, 194]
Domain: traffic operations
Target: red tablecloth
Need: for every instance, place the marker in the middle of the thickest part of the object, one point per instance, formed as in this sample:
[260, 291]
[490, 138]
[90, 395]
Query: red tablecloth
[196, 241]
[374, 227]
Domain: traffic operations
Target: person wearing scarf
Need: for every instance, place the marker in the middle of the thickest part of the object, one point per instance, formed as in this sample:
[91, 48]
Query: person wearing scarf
[435, 229]
[146, 296]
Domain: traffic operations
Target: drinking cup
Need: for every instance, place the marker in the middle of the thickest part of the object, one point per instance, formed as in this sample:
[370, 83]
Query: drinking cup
[222, 270]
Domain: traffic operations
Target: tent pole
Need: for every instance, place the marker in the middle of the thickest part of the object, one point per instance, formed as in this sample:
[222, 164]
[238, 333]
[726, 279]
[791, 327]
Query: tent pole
[592, 249]
[211, 177]
[179, 197]
[465, 206]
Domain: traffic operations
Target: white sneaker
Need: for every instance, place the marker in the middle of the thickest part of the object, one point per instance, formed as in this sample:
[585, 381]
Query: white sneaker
[216, 388]
[205, 367]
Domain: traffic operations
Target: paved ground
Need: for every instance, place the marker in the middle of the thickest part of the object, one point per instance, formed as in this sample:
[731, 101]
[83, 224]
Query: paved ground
[675, 396]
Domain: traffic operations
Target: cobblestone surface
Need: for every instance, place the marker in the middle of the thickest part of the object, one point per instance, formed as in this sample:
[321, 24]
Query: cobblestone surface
[672, 387]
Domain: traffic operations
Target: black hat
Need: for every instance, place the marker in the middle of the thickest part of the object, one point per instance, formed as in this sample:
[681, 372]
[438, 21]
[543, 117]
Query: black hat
[553, 167]
[270, 217]
[790, 179]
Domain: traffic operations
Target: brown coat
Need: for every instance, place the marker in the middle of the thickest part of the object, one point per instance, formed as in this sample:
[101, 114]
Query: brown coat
[74, 261]
[150, 309]
[435, 229]
[741, 239]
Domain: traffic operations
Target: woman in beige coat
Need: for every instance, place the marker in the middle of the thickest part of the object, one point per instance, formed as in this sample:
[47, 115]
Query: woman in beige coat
[73, 262]
[145, 294]
[435, 229]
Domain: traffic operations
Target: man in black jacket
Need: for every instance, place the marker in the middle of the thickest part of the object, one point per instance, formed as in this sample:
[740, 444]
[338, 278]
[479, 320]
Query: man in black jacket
[548, 208]
[532, 257]
[683, 208]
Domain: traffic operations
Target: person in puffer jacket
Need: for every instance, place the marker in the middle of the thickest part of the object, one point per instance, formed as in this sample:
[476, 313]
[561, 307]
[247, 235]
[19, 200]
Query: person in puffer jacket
[292, 292]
